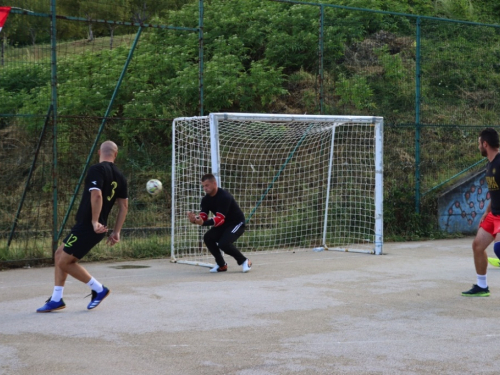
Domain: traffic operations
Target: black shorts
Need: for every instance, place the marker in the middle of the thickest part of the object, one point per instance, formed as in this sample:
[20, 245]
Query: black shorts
[81, 240]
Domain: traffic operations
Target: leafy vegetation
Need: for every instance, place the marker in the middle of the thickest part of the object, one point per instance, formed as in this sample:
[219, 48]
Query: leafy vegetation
[262, 56]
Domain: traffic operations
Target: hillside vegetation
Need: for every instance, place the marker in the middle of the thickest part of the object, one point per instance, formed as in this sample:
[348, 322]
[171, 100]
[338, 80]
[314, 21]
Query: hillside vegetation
[261, 56]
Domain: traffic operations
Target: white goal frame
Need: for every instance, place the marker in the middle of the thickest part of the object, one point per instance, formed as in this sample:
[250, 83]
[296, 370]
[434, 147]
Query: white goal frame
[191, 161]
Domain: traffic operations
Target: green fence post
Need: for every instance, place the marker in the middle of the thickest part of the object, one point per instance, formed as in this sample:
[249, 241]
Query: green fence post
[53, 84]
[200, 54]
[321, 54]
[417, 120]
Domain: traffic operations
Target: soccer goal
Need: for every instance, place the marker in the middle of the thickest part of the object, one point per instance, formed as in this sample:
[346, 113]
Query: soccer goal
[302, 181]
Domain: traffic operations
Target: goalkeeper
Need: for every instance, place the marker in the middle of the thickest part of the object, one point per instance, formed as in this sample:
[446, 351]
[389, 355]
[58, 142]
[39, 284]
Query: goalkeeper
[228, 224]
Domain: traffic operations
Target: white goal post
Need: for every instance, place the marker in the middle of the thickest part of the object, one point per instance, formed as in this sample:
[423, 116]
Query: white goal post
[302, 181]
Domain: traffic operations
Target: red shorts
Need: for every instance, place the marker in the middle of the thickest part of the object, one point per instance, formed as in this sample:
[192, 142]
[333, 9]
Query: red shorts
[491, 224]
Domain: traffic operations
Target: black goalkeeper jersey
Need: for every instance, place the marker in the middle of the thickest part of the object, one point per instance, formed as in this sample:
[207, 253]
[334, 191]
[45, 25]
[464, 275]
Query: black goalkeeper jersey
[493, 181]
[106, 177]
[222, 203]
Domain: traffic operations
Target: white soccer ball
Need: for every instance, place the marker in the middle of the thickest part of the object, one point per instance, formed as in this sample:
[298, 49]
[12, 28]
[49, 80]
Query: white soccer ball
[154, 186]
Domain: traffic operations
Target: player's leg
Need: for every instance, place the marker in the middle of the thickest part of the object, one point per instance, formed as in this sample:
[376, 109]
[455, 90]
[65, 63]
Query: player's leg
[67, 264]
[483, 239]
[56, 302]
[79, 243]
[211, 239]
[75, 246]
[226, 244]
[496, 247]
[60, 276]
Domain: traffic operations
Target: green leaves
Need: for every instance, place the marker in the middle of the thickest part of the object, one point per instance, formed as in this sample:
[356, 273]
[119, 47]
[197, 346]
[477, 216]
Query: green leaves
[255, 52]
[355, 92]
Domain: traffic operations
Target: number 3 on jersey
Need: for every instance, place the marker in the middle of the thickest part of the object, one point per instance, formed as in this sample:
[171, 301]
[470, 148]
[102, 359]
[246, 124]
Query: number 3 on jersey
[114, 185]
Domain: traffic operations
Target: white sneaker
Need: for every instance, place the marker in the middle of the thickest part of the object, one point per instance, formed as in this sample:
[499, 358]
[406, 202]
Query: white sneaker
[219, 269]
[247, 265]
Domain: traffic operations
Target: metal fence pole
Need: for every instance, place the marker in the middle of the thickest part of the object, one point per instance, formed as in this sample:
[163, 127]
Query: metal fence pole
[321, 59]
[200, 54]
[53, 83]
[417, 119]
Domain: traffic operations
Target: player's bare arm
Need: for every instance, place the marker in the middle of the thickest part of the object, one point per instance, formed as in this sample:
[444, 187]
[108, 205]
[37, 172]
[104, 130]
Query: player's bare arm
[114, 238]
[96, 202]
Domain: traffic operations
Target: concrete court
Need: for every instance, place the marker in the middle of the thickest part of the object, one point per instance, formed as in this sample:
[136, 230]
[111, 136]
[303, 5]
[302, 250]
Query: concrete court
[294, 313]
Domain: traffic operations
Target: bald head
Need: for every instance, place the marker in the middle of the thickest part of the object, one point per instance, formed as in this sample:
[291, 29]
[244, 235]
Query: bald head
[108, 151]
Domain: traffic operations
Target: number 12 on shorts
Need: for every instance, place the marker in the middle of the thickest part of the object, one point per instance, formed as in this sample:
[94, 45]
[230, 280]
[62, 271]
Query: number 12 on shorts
[71, 240]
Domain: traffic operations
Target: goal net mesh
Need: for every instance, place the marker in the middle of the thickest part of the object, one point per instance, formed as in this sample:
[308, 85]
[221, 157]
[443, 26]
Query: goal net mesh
[301, 183]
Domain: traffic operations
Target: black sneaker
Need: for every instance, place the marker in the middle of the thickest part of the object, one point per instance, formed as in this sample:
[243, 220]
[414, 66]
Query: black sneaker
[98, 297]
[477, 291]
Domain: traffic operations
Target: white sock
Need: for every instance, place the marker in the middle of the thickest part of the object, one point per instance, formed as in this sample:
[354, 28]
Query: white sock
[95, 285]
[57, 294]
[481, 281]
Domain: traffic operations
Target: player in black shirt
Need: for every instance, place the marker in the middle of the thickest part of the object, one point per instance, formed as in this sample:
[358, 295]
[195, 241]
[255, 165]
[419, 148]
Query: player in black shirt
[104, 185]
[489, 227]
[228, 224]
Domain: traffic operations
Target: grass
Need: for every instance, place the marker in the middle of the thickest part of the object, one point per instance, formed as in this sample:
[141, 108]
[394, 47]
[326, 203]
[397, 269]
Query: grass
[31, 250]
[21, 249]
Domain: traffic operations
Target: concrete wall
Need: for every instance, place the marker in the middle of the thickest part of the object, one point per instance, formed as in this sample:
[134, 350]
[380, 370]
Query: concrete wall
[461, 207]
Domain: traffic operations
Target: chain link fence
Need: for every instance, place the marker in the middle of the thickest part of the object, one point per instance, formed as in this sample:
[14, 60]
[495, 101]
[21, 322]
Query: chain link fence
[434, 81]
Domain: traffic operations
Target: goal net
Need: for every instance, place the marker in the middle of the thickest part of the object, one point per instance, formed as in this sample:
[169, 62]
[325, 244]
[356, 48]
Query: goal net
[303, 182]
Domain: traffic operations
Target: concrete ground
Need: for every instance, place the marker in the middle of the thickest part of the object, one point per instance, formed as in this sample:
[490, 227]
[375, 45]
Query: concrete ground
[294, 313]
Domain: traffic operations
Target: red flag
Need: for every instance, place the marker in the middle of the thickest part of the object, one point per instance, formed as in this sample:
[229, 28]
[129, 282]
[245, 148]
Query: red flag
[4, 13]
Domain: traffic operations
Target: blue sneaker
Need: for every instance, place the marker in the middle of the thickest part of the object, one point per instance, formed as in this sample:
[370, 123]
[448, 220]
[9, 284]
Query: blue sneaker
[98, 297]
[51, 306]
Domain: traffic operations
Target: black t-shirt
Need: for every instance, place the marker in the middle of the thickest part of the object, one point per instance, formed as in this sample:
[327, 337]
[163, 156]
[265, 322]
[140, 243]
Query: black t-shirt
[223, 203]
[493, 181]
[106, 177]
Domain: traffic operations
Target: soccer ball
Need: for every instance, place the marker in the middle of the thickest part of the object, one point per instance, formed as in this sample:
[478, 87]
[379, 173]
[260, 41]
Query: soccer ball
[154, 186]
